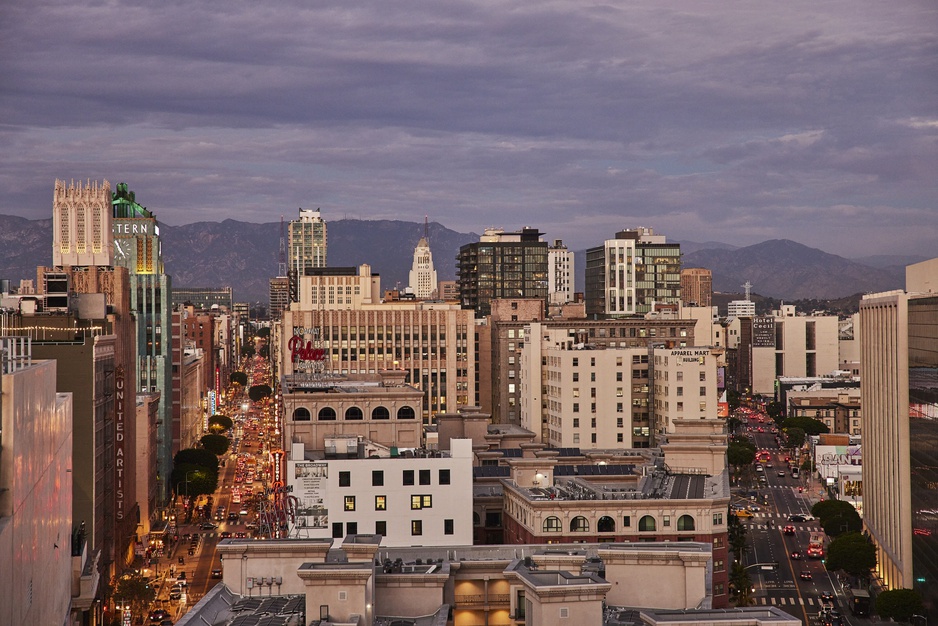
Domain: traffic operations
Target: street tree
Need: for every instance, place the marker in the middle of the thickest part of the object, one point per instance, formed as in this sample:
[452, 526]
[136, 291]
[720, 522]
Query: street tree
[136, 591]
[851, 553]
[899, 604]
[795, 437]
[740, 453]
[741, 585]
[774, 410]
[239, 377]
[196, 456]
[216, 444]
[258, 392]
[837, 517]
[219, 423]
[809, 425]
[263, 332]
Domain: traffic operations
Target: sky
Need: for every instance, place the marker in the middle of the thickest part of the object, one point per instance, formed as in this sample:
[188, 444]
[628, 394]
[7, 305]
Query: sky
[705, 120]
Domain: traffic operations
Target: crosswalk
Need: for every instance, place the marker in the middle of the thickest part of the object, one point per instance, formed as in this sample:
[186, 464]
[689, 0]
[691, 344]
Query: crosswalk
[788, 601]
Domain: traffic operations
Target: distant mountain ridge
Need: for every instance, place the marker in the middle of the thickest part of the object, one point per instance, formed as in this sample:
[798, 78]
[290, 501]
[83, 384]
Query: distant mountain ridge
[244, 256]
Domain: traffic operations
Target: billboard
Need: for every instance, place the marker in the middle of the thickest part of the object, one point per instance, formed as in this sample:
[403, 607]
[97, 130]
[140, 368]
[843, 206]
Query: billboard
[763, 332]
[310, 482]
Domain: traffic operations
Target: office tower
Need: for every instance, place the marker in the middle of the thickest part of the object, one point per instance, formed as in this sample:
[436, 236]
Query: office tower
[628, 274]
[560, 273]
[307, 241]
[422, 278]
[502, 265]
[278, 296]
[81, 223]
[137, 247]
[899, 391]
[448, 290]
[696, 286]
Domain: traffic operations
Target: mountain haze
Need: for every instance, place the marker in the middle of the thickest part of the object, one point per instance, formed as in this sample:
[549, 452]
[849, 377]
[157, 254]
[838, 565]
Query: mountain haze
[245, 256]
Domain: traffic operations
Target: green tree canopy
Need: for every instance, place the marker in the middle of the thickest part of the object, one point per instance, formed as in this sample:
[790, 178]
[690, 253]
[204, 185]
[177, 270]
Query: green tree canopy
[808, 425]
[263, 332]
[194, 480]
[852, 553]
[257, 392]
[198, 457]
[837, 517]
[247, 349]
[795, 437]
[239, 377]
[219, 423]
[774, 410]
[740, 453]
[899, 604]
[135, 590]
[216, 444]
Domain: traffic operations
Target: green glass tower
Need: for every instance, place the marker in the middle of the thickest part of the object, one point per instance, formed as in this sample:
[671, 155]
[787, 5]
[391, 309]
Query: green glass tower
[137, 247]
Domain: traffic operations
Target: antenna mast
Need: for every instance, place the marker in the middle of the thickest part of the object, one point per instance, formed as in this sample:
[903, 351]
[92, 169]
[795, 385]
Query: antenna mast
[426, 227]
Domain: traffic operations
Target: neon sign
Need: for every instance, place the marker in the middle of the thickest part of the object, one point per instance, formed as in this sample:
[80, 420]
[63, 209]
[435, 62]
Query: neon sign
[304, 351]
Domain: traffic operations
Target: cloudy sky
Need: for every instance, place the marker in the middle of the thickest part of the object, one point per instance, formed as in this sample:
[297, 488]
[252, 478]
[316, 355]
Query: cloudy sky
[705, 120]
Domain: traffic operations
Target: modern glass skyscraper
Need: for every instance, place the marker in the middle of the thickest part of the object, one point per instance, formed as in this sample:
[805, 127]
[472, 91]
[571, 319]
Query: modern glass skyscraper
[136, 237]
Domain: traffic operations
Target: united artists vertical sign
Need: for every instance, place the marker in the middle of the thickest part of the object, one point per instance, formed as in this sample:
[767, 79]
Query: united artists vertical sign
[120, 440]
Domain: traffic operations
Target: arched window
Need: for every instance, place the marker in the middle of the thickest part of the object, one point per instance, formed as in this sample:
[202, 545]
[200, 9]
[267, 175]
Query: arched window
[685, 522]
[606, 524]
[406, 413]
[647, 523]
[354, 413]
[380, 413]
[301, 415]
[579, 524]
[327, 414]
[476, 520]
[552, 525]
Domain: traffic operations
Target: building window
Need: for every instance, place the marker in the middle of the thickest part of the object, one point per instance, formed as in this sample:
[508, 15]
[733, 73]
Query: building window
[351, 528]
[345, 479]
[447, 527]
[380, 413]
[703, 391]
[354, 413]
[377, 478]
[381, 503]
[627, 521]
[576, 407]
[406, 413]
[349, 503]
[576, 422]
[425, 477]
[552, 525]
[606, 525]
[421, 502]
[703, 376]
[685, 522]
[408, 477]
[576, 437]
[337, 530]
[381, 528]
[718, 565]
[579, 524]
[444, 476]
[667, 521]
[717, 519]
[647, 524]
[416, 527]
[718, 542]
[619, 438]
[680, 391]
[301, 415]
[326, 414]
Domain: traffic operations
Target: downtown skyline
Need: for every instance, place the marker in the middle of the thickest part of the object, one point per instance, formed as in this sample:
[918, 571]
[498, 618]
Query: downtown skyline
[707, 123]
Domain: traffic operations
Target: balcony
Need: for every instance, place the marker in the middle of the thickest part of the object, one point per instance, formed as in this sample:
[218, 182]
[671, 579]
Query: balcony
[493, 600]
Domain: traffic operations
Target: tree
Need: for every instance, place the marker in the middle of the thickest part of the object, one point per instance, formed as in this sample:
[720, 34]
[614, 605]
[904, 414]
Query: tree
[247, 349]
[193, 481]
[741, 585]
[740, 453]
[837, 517]
[136, 591]
[239, 377]
[219, 423]
[257, 392]
[795, 437]
[202, 459]
[263, 332]
[809, 425]
[852, 553]
[775, 410]
[899, 604]
[216, 444]
[264, 352]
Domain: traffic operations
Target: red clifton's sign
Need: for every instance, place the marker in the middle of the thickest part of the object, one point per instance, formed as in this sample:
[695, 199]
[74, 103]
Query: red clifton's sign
[300, 351]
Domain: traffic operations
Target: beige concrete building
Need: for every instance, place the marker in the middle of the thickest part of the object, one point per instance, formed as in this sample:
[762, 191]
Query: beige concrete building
[792, 345]
[696, 286]
[560, 273]
[81, 224]
[838, 409]
[685, 385]
[898, 334]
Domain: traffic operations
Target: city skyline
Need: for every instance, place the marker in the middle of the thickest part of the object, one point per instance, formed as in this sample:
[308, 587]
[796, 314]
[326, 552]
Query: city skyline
[797, 121]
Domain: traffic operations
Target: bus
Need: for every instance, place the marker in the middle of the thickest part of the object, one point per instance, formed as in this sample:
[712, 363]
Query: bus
[816, 546]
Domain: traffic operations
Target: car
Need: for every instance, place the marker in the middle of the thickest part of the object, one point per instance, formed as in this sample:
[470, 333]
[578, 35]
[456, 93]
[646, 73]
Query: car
[191, 551]
[226, 534]
[759, 468]
[241, 534]
[789, 530]
[208, 526]
[243, 512]
[827, 596]
[805, 575]
[780, 473]
[742, 513]
[797, 518]
[158, 615]
[182, 560]
[754, 508]
[797, 555]
[232, 517]
[175, 595]
[216, 573]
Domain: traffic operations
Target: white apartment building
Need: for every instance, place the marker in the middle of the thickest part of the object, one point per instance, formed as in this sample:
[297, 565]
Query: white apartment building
[685, 385]
[416, 498]
[741, 308]
[560, 273]
[792, 345]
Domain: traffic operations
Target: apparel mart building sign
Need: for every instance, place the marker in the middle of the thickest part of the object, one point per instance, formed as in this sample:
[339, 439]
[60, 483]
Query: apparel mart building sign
[689, 355]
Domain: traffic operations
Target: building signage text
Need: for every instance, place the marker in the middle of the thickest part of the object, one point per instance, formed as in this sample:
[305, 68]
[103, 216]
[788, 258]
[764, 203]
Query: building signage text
[302, 350]
[763, 332]
[131, 227]
[119, 440]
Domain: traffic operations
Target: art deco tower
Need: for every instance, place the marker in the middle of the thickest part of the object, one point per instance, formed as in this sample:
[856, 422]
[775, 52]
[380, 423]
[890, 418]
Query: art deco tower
[422, 279]
[81, 224]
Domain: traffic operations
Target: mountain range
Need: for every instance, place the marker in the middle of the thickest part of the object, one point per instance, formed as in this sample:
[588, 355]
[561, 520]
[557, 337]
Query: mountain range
[245, 255]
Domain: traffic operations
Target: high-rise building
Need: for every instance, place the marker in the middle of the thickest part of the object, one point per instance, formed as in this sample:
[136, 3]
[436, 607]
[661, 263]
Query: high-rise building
[696, 286]
[422, 278]
[307, 241]
[628, 274]
[137, 246]
[81, 223]
[560, 273]
[278, 296]
[502, 265]
[204, 297]
[898, 335]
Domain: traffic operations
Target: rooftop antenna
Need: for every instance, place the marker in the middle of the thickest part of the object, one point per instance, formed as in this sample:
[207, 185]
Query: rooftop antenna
[426, 227]
[748, 288]
[282, 266]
